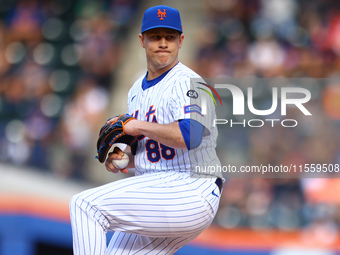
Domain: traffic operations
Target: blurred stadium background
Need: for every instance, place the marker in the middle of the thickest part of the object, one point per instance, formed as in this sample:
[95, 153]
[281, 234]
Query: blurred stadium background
[66, 66]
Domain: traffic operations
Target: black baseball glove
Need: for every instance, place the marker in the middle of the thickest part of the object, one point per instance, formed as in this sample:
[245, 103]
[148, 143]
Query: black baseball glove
[112, 133]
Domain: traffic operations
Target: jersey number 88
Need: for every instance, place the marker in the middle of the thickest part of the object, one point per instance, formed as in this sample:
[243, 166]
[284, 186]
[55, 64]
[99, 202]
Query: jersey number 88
[156, 150]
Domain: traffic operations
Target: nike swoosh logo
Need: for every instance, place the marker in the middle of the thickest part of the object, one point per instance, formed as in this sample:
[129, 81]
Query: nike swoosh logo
[133, 98]
[213, 192]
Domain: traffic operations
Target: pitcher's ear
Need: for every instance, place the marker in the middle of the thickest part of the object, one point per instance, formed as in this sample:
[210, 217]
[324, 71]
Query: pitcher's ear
[141, 39]
[181, 38]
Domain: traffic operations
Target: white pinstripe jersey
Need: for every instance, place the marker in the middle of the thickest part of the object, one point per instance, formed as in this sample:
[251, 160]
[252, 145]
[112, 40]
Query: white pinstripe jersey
[165, 103]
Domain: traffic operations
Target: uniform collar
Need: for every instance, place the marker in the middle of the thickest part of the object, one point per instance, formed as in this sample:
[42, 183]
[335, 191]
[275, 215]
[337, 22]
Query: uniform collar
[150, 83]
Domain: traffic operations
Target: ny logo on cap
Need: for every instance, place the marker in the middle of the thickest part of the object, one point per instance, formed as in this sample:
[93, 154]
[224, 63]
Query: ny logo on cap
[161, 14]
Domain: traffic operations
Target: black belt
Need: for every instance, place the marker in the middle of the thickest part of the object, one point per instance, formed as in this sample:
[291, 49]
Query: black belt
[219, 184]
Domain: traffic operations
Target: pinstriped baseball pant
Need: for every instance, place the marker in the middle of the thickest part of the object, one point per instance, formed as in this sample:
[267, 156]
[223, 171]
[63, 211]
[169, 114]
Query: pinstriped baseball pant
[154, 213]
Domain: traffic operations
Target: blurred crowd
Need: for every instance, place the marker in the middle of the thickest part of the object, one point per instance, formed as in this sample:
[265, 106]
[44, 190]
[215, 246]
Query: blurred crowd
[269, 38]
[295, 39]
[57, 66]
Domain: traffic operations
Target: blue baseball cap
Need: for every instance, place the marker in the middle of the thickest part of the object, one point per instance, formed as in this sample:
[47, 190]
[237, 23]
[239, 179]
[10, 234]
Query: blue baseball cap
[161, 16]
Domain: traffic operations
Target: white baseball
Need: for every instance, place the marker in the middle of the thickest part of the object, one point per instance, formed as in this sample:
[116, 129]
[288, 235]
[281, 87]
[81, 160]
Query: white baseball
[121, 163]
